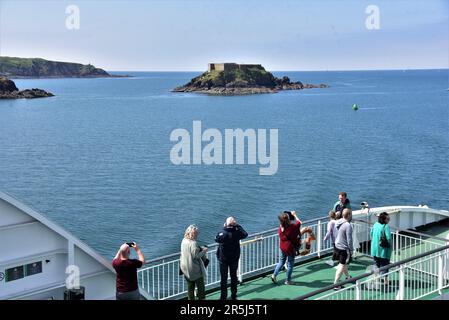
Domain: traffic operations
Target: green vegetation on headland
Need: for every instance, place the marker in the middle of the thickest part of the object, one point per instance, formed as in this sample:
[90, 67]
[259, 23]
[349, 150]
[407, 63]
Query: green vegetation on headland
[13, 67]
[8, 90]
[235, 79]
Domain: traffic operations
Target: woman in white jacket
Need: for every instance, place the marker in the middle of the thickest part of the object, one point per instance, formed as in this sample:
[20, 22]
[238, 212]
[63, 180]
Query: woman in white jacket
[192, 263]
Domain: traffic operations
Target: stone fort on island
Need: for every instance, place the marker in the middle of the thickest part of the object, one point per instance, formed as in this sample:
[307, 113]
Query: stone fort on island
[232, 66]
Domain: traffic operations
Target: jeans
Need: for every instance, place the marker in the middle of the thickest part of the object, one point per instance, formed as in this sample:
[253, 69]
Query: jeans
[199, 283]
[290, 261]
[232, 267]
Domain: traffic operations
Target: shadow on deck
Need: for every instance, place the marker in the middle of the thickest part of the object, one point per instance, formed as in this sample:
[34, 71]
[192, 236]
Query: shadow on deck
[306, 278]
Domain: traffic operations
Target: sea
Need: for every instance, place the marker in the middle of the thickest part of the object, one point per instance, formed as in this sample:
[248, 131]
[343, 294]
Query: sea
[95, 158]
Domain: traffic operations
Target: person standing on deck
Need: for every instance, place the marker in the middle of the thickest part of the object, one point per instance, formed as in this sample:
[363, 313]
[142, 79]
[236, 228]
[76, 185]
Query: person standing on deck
[343, 245]
[192, 263]
[289, 242]
[228, 254]
[126, 269]
[381, 241]
[342, 203]
[331, 235]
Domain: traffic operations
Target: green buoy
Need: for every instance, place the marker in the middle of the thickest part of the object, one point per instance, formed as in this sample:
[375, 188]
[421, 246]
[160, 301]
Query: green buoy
[355, 107]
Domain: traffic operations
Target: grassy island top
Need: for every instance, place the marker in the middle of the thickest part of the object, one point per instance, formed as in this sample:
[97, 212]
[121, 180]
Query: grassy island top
[38, 67]
[235, 75]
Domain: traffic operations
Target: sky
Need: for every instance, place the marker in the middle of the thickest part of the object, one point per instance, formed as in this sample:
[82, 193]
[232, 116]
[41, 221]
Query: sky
[185, 35]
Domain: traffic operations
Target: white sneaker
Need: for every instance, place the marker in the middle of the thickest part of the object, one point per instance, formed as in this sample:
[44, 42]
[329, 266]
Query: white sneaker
[330, 262]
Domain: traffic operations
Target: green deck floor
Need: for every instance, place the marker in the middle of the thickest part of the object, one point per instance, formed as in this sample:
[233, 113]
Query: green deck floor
[440, 230]
[306, 278]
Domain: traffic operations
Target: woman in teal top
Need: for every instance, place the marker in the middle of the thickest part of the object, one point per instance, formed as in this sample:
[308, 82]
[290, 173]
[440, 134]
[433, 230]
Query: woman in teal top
[381, 252]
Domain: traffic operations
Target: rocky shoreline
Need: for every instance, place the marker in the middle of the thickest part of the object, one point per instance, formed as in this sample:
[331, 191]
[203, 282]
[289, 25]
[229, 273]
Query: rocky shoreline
[246, 90]
[8, 90]
[234, 79]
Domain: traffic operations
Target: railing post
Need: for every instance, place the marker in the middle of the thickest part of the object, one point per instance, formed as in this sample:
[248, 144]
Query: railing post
[355, 240]
[358, 295]
[397, 245]
[368, 233]
[318, 241]
[440, 274]
[239, 269]
[401, 283]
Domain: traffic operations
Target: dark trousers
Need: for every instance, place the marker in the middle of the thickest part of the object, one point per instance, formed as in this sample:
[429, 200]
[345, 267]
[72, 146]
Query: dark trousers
[199, 283]
[382, 262]
[232, 267]
[130, 295]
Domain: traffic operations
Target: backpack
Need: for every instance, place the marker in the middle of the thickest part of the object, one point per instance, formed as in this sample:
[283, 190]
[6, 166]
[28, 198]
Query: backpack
[383, 242]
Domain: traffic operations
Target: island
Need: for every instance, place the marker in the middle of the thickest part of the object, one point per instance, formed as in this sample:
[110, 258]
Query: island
[239, 79]
[8, 90]
[13, 67]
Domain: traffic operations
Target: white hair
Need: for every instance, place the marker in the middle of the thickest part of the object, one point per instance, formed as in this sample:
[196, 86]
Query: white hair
[230, 221]
[125, 251]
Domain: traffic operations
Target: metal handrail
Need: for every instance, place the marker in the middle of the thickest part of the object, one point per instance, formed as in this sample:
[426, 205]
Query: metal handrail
[259, 253]
[244, 243]
[367, 274]
[176, 254]
[395, 228]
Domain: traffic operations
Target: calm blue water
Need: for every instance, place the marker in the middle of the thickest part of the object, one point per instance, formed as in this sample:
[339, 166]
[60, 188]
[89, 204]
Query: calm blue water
[95, 158]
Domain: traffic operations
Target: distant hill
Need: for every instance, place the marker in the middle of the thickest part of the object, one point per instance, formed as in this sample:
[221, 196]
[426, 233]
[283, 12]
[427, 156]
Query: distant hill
[236, 79]
[13, 67]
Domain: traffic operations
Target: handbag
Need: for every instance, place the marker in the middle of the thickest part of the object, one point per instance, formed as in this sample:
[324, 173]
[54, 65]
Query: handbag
[383, 242]
[206, 260]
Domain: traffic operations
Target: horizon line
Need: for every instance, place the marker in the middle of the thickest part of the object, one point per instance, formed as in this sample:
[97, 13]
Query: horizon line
[315, 70]
[318, 70]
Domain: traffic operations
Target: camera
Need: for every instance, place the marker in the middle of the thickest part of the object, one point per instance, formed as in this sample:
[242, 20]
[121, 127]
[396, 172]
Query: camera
[130, 244]
[364, 205]
[290, 215]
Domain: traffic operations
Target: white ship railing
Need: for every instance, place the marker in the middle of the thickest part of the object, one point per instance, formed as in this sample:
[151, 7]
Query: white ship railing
[405, 243]
[160, 278]
[413, 278]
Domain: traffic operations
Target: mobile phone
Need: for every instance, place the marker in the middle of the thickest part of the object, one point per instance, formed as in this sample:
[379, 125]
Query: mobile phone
[130, 244]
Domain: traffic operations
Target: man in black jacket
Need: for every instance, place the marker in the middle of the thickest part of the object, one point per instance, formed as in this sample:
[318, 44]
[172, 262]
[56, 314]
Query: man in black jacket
[342, 203]
[228, 255]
